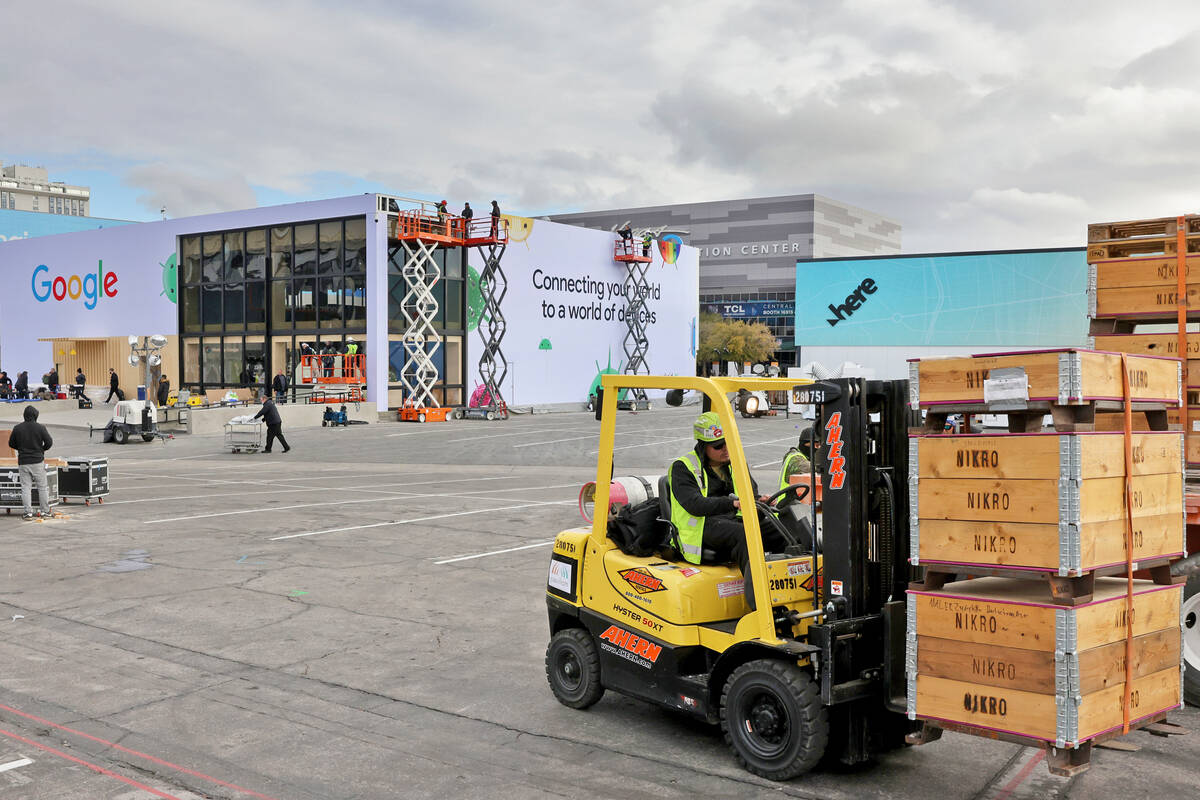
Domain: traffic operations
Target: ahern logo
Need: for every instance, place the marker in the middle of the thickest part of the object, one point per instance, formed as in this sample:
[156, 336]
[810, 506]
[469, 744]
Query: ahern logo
[89, 286]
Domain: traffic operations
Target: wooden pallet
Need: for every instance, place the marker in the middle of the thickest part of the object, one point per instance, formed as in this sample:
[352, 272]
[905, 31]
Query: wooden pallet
[1126, 248]
[1061, 761]
[1157, 303]
[1157, 227]
[1064, 590]
[1066, 418]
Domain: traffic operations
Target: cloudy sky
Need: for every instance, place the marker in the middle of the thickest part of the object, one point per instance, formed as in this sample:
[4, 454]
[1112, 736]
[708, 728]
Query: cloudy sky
[976, 125]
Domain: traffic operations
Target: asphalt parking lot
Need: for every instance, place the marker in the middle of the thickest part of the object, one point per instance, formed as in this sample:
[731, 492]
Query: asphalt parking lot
[364, 617]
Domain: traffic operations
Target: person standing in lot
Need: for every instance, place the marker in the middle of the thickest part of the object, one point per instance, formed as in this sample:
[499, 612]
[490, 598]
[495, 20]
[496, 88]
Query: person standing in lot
[80, 381]
[114, 386]
[31, 440]
[270, 415]
[21, 387]
[164, 391]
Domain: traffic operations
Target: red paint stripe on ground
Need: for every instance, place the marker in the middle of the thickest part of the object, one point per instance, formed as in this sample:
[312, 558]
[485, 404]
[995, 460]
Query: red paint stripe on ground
[89, 765]
[138, 753]
[1021, 776]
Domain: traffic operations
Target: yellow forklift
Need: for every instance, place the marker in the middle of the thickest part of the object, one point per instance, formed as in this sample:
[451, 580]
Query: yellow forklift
[817, 672]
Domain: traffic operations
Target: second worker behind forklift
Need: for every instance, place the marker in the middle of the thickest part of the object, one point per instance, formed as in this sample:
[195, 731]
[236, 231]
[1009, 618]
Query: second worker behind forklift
[704, 506]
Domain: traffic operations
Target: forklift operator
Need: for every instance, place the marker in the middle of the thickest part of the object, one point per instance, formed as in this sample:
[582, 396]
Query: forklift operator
[704, 507]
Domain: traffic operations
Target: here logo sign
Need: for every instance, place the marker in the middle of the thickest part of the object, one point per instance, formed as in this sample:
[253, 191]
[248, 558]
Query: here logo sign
[89, 287]
[853, 302]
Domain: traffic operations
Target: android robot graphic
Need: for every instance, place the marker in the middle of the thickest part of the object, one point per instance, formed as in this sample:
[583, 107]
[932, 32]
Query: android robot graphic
[169, 278]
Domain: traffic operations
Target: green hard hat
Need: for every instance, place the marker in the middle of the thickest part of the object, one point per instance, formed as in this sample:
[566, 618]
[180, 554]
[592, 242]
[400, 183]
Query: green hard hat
[708, 427]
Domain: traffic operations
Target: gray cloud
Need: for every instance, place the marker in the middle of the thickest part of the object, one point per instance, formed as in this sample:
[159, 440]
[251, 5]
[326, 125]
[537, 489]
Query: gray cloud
[976, 125]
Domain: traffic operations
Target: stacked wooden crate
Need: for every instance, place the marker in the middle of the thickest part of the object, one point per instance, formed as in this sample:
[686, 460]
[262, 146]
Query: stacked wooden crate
[1034, 651]
[1133, 294]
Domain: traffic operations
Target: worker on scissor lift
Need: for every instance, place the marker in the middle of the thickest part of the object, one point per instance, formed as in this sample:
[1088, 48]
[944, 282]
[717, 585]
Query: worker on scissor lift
[646, 240]
[467, 213]
[441, 212]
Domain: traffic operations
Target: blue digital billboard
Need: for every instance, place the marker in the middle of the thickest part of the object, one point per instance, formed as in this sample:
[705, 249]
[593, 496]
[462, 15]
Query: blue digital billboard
[1017, 298]
[28, 224]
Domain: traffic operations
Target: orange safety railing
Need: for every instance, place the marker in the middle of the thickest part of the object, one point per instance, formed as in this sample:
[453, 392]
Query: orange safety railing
[485, 230]
[331, 368]
[629, 250]
[421, 224]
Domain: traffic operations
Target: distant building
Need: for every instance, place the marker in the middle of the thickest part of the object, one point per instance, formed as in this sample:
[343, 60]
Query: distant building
[25, 188]
[749, 248]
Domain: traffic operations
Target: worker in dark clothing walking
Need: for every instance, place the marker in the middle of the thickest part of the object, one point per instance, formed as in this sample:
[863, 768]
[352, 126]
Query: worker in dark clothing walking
[270, 415]
[114, 385]
[705, 509]
[31, 440]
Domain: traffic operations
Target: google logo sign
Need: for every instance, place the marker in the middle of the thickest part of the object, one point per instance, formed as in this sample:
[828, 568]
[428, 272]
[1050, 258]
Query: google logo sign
[89, 287]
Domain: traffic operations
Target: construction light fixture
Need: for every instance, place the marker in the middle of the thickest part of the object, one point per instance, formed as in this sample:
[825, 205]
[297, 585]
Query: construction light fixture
[133, 359]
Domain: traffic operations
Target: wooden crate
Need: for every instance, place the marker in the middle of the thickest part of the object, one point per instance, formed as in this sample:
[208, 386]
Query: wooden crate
[1142, 246]
[1143, 302]
[1160, 271]
[1051, 502]
[1056, 376]
[991, 653]
[1152, 344]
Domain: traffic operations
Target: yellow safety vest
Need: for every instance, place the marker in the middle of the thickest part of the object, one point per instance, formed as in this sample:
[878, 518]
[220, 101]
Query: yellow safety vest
[691, 529]
[786, 472]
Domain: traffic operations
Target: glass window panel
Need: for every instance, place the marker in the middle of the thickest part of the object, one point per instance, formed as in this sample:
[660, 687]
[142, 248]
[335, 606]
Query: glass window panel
[235, 268]
[190, 300]
[256, 306]
[354, 298]
[454, 265]
[395, 361]
[330, 234]
[329, 296]
[210, 362]
[305, 262]
[396, 262]
[234, 363]
[454, 304]
[281, 306]
[281, 251]
[256, 255]
[396, 289]
[191, 361]
[304, 308]
[214, 258]
[439, 294]
[210, 308]
[190, 247]
[255, 370]
[235, 315]
[356, 245]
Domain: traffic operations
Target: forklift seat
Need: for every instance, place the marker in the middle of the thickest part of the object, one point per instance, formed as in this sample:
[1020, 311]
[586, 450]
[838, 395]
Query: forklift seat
[671, 541]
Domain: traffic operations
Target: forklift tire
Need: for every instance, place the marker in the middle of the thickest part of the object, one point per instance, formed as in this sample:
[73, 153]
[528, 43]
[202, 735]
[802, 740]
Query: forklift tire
[773, 720]
[147, 437]
[573, 668]
[120, 435]
[1191, 637]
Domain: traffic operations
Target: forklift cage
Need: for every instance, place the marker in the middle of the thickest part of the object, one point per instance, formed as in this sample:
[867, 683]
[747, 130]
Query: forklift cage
[716, 390]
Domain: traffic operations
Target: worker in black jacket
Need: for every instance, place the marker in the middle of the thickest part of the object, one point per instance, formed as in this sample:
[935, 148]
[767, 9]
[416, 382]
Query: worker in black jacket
[280, 386]
[270, 415]
[31, 440]
[114, 386]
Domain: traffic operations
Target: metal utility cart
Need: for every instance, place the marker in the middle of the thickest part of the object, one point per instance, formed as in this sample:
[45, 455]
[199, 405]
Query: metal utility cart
[244, 434]
[83, 478]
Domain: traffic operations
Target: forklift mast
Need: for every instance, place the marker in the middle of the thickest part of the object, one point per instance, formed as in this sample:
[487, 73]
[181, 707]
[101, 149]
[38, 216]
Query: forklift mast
[862, 427]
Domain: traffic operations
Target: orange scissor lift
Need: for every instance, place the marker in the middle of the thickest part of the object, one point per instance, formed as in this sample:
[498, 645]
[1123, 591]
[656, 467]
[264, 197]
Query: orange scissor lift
[340, 377]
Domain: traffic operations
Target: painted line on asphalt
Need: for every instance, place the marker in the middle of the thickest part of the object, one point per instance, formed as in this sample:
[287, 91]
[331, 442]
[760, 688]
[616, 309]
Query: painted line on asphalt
[89, 765]
[389, 496]
[293, 489]
[416, 519]
[556, 441]
[20, 762]
[502, 435]
[494, 552]
[137, 753]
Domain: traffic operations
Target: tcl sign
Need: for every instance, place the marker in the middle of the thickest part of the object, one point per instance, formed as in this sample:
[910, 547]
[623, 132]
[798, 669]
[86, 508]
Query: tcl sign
[87, 287]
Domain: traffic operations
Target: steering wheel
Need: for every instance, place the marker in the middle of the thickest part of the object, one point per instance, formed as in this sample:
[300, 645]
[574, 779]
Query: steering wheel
[789, 494]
